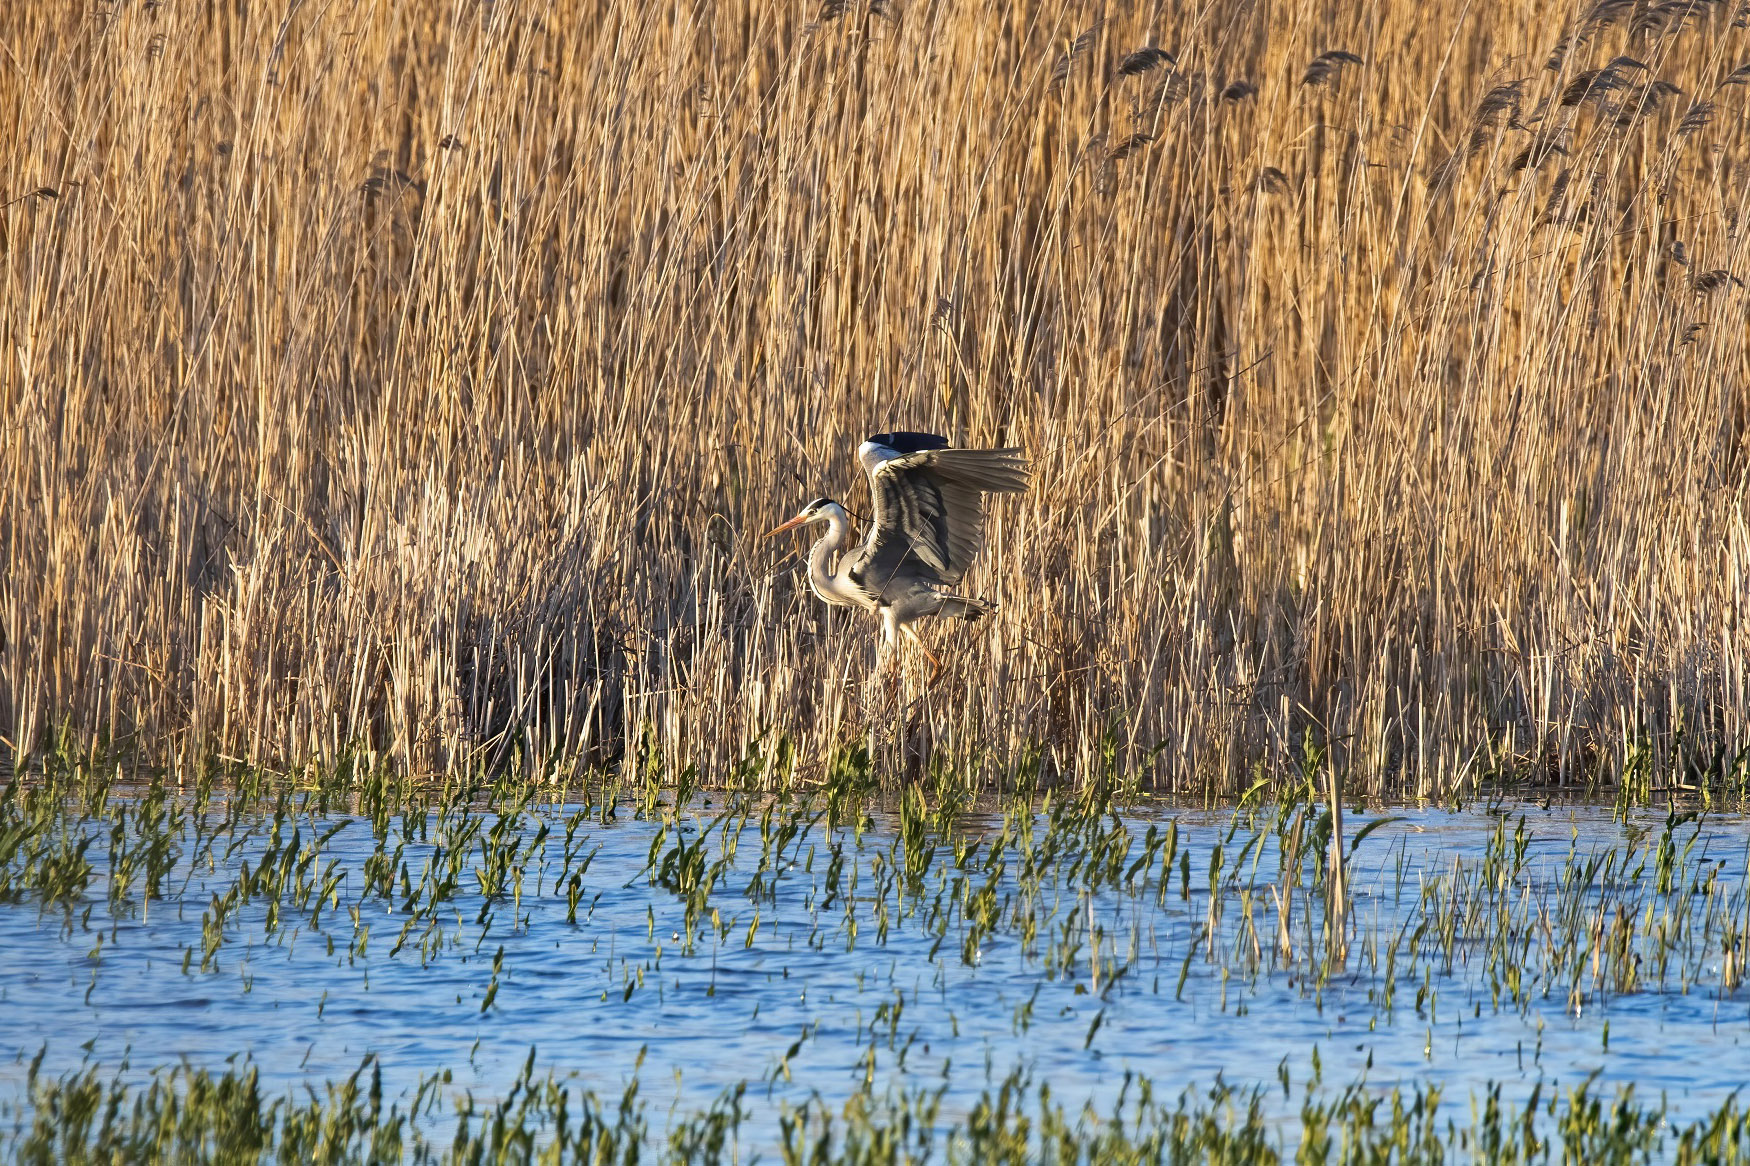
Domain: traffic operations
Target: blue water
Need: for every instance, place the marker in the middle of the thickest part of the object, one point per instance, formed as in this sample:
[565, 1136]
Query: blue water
[801, 1009]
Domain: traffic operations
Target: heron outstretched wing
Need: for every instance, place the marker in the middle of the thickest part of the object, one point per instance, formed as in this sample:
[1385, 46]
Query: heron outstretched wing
[929, 505]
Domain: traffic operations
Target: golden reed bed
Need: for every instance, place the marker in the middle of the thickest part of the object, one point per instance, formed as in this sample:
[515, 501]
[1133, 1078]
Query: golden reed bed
[413, 377]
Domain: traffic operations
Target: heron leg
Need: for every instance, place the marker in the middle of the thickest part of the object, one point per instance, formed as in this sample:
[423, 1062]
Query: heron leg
[935, 664]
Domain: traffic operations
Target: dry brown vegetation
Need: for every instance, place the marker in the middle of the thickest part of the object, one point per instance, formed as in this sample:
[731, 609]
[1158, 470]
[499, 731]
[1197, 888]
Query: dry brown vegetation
[414, 376]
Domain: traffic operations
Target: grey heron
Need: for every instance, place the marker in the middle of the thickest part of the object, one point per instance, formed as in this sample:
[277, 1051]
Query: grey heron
[929, 523]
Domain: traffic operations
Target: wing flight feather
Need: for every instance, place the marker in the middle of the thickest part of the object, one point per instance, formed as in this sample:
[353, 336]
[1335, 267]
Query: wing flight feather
[929, 504]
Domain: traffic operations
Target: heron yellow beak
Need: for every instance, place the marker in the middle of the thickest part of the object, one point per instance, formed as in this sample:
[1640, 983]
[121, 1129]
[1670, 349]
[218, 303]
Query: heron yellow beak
[791, 525]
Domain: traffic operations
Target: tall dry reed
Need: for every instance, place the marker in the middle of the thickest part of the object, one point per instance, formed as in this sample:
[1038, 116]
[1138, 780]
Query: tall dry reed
[413, 377]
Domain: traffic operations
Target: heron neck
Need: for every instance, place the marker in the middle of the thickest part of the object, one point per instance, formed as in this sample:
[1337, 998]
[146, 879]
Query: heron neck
[820, 566]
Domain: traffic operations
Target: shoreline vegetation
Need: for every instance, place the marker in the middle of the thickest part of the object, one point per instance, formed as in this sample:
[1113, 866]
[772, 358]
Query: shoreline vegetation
[184, 1115]
[411, 379]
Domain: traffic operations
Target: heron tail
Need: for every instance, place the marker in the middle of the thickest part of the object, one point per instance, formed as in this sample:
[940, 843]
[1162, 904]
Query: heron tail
[966, 608]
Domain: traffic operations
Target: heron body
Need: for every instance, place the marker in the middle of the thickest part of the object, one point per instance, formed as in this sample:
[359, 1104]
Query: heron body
[928, 526]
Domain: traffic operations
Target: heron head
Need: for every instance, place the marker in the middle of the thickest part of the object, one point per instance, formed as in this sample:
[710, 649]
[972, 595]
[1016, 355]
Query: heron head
[819, 510]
